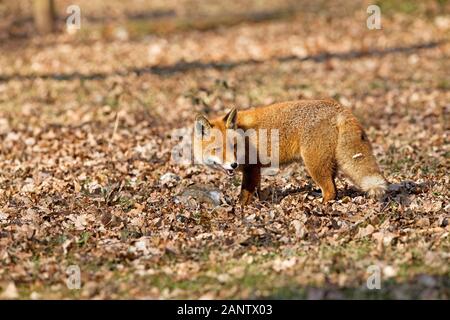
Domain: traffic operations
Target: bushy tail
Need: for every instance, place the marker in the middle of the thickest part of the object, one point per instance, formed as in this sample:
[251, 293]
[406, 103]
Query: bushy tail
[355, 157]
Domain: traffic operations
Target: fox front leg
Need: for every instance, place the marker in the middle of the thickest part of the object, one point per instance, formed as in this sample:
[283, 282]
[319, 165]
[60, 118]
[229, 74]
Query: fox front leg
[251, 180]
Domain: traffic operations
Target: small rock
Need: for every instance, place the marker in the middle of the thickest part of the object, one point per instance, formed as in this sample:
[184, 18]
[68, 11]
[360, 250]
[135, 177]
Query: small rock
[203, 194]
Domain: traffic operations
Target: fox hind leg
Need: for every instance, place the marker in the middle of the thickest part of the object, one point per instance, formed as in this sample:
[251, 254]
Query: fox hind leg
[322, 170]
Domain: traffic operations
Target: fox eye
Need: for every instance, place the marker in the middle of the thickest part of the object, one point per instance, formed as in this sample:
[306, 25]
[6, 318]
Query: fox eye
[363, 136]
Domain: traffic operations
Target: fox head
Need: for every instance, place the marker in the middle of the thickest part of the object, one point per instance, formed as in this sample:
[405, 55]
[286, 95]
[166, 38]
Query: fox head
[214, 142]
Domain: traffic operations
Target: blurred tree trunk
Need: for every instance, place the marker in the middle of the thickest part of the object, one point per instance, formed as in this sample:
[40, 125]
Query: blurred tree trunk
[44, 15]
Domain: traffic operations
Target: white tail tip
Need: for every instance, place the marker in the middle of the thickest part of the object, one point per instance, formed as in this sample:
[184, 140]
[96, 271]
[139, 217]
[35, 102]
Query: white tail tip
[375, 186]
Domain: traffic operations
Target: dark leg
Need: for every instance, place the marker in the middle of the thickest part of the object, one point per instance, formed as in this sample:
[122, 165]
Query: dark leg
[251, 179]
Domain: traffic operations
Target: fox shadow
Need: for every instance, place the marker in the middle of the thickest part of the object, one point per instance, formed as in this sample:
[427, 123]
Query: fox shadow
[275, 195]
[402, 192]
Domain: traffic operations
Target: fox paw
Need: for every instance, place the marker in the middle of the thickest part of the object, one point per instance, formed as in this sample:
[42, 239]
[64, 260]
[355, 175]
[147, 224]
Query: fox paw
[245, 198]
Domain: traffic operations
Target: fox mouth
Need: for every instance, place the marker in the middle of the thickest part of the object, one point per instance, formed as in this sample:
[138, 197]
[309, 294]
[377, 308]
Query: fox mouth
[229, 172]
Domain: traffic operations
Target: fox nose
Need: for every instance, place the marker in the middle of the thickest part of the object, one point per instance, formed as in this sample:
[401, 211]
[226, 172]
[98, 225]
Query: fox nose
[234, 165]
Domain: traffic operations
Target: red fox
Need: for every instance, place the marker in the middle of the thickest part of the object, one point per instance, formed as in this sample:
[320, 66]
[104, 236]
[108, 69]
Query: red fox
[322, 133]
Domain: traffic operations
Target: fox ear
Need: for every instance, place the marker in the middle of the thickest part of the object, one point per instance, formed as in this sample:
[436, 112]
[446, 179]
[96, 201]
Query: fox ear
[230, 119]
[202, 126]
